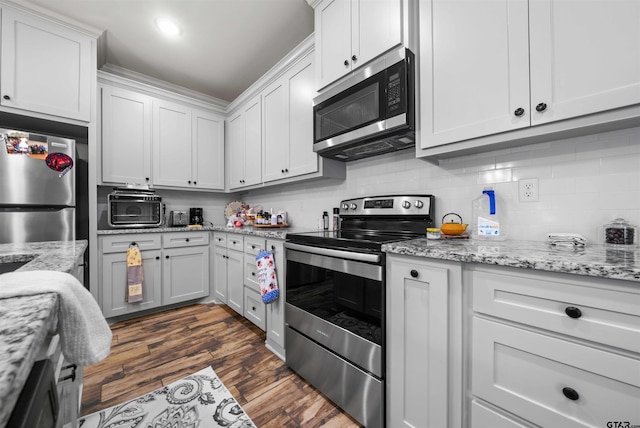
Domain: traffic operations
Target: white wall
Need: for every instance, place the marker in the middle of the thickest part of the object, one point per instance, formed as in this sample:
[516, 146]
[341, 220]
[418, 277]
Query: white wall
[584, 182]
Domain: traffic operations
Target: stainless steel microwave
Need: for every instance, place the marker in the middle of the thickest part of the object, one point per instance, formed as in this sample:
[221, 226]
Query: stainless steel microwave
[370, 113]
[138, 208]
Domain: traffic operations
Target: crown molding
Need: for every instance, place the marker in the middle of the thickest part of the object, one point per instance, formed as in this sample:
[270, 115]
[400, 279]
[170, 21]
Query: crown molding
[313, 3]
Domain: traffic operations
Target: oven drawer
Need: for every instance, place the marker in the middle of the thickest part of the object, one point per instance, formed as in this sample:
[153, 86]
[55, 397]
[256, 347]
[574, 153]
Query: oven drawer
[552, 382]
[358, 393]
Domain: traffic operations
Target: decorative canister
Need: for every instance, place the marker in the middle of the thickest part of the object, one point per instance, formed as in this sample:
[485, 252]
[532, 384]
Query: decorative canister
[433, 233]
[620, 232]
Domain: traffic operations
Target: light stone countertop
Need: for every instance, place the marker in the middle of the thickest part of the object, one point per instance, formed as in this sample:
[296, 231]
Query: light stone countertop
[601, 261]
[265, 232]
[27, 321]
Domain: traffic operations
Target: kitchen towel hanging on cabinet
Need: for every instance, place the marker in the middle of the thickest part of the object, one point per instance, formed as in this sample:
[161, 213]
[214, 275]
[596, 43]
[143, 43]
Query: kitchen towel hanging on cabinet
[267, 276]
[135, 274]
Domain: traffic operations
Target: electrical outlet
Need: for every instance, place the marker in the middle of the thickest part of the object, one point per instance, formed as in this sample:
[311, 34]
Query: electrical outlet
[528, 190]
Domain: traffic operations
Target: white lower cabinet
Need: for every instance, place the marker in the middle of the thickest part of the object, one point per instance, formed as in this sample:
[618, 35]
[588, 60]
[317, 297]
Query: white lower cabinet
[228, 270]
[176, 269]
[254, 309]
[552, 349]
[275, 309]
[424, 343]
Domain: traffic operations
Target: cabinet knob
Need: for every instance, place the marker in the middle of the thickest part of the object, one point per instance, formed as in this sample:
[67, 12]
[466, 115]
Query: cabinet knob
[273, 247]
[253, 247]
[346, 63]
[253, 274]
[541, 107]
[354, 58]
[189, 181]
[414, 273]
[253, 308]
[282, 171]
[195, 182]
[146, 178]
[186, 239]
[286, 170]
[166, 257]
[519, 111]
[157, 257]
[6, 97]
[573, 312]
[570, 393]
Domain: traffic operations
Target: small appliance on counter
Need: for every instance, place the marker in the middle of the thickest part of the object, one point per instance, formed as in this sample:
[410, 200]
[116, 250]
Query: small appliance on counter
[179, 218]
[195, 216]
[133, 207]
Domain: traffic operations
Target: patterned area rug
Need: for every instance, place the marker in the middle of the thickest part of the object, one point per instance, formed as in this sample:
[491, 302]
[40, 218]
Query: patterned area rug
[197, 401]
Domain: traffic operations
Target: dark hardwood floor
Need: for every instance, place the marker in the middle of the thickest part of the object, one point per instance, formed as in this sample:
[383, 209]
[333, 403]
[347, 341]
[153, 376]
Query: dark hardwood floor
[152, 351]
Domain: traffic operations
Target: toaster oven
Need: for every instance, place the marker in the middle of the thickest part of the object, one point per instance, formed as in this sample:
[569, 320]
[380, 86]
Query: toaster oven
[139, 208]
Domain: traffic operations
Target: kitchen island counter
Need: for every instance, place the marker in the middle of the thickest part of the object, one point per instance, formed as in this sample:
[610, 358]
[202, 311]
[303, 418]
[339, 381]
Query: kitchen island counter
[593, 260]
[27, 321]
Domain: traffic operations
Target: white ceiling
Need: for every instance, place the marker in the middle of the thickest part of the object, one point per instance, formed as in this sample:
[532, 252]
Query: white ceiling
[224, 47]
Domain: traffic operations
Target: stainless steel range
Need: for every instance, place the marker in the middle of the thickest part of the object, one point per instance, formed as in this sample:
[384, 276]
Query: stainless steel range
[335, 300]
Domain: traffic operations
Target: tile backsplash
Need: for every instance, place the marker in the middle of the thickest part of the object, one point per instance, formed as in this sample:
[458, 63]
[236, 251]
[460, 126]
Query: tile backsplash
[584, 183]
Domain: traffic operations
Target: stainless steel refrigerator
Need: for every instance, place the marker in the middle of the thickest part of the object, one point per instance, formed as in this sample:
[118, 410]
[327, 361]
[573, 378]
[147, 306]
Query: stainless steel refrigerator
[37, 187]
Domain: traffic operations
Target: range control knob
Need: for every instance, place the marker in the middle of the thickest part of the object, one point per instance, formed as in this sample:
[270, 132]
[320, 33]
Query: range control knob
[353, 206]
[419, 204]
[345, 206]
[406, 205]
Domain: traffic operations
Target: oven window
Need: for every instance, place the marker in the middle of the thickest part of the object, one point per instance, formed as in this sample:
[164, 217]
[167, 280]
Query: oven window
[355, 110]
[345, 300]
[135, 212]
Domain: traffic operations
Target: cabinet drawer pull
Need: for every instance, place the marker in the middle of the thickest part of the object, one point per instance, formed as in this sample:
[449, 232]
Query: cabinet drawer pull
[253, 274]
[541, 107]
[414, 273]
[253, 308]
[157, 257]
[166, 257]
[519, 112]
[186, 239]
[573, 312]
[253, 247]
[570, 393]
[6, 97]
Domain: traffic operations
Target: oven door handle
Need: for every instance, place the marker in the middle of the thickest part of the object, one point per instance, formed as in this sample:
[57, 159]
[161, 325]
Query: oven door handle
[349, 255]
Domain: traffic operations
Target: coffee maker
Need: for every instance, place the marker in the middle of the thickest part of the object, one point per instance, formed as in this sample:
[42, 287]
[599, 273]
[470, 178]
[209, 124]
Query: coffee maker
[195, 216]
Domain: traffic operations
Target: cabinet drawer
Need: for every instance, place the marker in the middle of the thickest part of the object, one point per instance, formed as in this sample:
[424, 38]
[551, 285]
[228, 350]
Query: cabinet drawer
[611, 317]
[483, 416]
[251, 272]
[185, 239]
[254, 245]
[528, 374]
[235, 242]
[220, 239]
[254, 309]
[120, 243]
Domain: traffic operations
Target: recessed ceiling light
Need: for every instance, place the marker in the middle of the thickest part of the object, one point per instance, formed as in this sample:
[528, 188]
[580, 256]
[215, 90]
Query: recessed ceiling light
[168, 26]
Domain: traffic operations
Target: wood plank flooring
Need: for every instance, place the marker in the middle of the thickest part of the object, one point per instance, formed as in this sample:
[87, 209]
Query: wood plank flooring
[152, 351]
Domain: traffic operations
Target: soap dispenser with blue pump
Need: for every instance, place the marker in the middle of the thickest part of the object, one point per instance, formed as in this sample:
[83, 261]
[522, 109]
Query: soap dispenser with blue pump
[487, 221]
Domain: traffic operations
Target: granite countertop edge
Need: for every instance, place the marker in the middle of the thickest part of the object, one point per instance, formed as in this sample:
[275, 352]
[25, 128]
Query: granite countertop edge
[593, 260]
[275, 233]
[27, 321]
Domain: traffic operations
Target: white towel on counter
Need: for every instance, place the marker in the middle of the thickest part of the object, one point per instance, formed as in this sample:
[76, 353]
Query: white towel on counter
[567, 239]
[84, 333]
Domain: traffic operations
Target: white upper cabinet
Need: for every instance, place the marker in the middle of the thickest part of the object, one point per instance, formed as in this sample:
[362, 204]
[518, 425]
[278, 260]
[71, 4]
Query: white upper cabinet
[126, 136]
[350, 33]
[585, 57]
[171, 144]
[245, 145]
[288, 124]
[492, 66]
[207, 149]
[188, 147]
[45, 67]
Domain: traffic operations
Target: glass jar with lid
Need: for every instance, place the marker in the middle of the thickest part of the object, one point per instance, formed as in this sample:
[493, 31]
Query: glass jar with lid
[620, 232]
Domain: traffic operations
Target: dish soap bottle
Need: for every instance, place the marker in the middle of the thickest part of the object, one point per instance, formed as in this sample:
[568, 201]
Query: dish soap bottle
[487, 220]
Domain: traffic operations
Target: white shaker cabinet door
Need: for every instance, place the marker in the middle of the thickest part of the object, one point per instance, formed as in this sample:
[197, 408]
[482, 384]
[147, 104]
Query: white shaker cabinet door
[126, 136]
[185, 274]
[46, 68]
[253, 142]
[300, 79]
[171, 144]
[207, 150]
[474, 69]
[585, 57]
[333, 40]
[377, 27]
[275, 159]
[235, 146]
